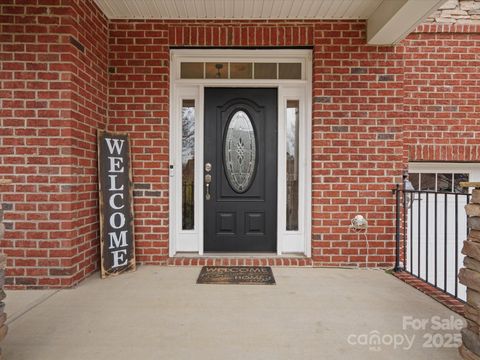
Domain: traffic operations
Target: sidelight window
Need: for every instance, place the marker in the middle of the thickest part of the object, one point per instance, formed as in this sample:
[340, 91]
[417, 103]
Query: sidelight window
[292, 156]
[188, 164]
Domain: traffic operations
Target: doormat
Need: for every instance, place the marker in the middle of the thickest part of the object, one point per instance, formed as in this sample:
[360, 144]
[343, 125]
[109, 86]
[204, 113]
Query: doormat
[238, 275]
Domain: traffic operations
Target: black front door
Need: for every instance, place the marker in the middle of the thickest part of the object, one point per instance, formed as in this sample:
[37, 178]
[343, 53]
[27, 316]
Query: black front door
[240, 170]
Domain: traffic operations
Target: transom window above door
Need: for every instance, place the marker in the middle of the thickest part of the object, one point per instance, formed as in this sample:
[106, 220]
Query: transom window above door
[242, 70]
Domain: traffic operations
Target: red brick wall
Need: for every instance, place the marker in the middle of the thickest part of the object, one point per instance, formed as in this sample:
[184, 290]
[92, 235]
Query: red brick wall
[357, 145]
[89, 113]
[52, 100]
[54, 97]
[242, 33]
[442, 93]
[357, 104]
[139, 103]
[138, 98]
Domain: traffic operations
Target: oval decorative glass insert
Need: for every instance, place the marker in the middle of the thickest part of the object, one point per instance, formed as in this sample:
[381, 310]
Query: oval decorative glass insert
[240, 153]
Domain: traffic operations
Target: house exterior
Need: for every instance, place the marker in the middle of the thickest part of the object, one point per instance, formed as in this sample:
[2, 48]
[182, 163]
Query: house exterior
[304, 115]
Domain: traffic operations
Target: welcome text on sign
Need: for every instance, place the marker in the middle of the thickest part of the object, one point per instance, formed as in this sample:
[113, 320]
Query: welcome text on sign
[117, 242]
[117, 239]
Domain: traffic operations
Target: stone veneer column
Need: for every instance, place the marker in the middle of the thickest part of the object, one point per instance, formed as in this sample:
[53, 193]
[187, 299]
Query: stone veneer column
[470, 277]
[3, 264]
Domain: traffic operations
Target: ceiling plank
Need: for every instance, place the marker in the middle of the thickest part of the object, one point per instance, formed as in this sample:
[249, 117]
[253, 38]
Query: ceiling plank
[276, 7]
[200, 9]
[268, 7]
[312, 8]
[156, 10]
[237, 9]
[248, 10]
[168, 13]
[295, 9]
[322, 11]
[257, 9]
[175, 9]
[108, 9]
[284, 9]
[368, 7]
[229, 5]
[342, 9]
[331, 9]
[354, 11]
[120, 8]
[219, 9]
[182, 10]
[134, 9]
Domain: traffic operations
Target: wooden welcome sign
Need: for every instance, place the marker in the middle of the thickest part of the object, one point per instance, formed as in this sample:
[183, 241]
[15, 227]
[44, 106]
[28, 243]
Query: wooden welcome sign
[117, 246]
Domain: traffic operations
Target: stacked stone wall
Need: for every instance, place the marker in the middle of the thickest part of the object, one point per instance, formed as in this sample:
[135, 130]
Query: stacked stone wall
[457, 12]
[470, 277]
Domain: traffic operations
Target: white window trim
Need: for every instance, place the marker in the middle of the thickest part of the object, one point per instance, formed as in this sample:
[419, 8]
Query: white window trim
[473, 169]
[191, 241]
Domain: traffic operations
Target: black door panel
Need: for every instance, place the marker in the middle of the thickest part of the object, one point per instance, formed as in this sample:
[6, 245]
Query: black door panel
[241, 146]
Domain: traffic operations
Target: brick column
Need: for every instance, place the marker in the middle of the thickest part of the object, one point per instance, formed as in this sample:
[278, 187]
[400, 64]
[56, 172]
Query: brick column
[470, 277]
[53, 98]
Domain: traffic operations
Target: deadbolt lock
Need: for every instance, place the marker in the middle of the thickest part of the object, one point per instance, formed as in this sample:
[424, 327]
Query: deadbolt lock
[208, 167]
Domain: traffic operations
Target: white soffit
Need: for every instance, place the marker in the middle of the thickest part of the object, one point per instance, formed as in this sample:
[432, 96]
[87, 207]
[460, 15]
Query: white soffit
[389, 21]
[238, 9]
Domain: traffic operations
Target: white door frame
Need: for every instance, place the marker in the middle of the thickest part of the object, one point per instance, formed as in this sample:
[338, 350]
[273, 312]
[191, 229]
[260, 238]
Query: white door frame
[191, 241]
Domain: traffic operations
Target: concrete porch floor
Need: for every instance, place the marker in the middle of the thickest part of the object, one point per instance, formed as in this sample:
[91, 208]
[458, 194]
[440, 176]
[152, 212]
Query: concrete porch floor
[161, 313]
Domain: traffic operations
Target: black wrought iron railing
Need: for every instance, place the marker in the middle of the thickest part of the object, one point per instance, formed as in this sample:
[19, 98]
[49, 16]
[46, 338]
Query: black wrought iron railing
[430, 229]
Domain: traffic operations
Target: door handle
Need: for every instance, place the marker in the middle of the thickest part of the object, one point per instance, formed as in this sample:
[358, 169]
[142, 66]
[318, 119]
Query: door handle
[208, 180]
